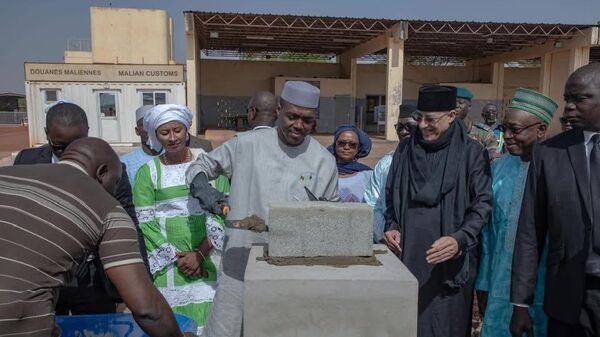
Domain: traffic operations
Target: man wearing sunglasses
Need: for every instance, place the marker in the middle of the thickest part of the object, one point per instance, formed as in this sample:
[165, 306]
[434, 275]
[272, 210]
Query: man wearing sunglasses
[375, 192]
[65, 122]
[88, 291]
[438, 196]
[525, 123]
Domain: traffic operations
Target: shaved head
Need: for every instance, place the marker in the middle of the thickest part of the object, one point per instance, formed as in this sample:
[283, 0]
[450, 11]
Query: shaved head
[588, 73]
[262, 109]
[98, 159]
[582, 98]
[66, 114]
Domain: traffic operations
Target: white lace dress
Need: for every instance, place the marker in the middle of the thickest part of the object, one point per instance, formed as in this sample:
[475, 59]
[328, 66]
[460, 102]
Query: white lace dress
[173, 221]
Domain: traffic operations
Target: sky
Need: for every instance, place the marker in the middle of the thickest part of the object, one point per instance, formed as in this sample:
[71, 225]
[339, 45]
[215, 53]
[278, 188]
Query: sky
[38, 31]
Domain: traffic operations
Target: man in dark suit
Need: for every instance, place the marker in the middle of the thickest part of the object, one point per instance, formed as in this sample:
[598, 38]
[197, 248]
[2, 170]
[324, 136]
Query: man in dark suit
[561, 209]
[66, 122]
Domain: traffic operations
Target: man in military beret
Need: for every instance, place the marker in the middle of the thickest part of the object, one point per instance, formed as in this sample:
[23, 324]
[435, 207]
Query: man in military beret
[489, 113]
[478, 131]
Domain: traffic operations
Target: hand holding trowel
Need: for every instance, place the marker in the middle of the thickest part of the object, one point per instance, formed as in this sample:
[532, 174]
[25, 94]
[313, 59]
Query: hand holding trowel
[312, 197]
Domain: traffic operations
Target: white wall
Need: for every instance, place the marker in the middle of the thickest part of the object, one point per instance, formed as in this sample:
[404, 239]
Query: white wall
[85, 95]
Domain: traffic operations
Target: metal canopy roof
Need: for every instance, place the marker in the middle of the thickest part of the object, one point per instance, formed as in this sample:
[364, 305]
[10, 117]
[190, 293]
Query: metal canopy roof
[333, 36]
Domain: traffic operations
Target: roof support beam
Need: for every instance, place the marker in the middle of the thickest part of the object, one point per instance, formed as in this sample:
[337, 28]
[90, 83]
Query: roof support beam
[192, 63]
[398, 32]
[394, 81]
[588, 38]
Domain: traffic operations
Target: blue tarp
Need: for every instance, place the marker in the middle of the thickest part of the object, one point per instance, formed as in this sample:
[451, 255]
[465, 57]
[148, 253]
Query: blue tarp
[111, 325]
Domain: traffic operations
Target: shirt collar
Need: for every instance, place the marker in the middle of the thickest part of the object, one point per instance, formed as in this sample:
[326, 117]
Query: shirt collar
[74, 164]
[262, 127]
[587, 135]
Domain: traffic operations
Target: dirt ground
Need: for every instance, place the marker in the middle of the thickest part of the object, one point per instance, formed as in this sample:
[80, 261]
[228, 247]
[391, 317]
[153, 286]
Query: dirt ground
[12, 139]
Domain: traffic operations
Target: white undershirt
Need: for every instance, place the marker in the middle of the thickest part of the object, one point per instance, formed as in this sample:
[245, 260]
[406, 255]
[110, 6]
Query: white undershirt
[262, 127]
[592, 265]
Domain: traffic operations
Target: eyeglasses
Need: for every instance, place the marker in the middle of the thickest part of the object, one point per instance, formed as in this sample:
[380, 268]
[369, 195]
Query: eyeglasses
[418, 116]
[515, 131]
[409, 127]
[343, 143]
[58, 149]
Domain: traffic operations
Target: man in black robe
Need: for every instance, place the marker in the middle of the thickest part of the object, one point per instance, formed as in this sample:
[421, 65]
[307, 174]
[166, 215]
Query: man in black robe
[438, 196]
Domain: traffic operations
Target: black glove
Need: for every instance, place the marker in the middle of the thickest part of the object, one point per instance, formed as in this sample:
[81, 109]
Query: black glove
[210, 199]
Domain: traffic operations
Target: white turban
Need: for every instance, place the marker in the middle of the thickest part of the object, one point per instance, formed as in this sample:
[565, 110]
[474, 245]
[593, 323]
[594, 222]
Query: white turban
[161, 114]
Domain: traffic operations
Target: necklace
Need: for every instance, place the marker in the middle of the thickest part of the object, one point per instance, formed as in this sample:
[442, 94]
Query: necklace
[188, 157]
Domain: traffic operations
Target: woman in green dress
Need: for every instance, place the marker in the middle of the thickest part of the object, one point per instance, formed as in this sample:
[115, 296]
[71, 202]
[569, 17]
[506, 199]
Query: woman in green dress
[179, 235]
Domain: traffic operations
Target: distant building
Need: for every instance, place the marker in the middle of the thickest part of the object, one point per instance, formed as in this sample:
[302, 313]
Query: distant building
[13, 108]
[9, 101]
[129, 63]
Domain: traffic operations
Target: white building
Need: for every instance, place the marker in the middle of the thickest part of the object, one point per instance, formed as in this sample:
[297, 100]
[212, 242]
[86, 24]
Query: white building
[130, 64]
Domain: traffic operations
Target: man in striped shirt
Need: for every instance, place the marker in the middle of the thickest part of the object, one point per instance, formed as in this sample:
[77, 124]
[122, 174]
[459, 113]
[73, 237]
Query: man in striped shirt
[51, 216]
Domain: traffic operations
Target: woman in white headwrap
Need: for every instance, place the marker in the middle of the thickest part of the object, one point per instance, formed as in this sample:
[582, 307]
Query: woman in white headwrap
[179, 235]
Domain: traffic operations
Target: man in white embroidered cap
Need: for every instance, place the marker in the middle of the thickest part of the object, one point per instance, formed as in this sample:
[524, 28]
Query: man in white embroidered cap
[263, 165]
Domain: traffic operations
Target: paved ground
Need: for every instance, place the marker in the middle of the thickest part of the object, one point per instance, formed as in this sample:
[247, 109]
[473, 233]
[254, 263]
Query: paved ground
[14, 138]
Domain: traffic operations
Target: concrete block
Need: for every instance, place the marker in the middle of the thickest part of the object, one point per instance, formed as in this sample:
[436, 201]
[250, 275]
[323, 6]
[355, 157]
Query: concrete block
[308, 301]
[318, 228]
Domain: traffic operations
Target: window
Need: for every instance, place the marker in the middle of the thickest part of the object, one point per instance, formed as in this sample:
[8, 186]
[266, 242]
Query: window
[154, 97]
[108, 104]
[50, 96]
[373, 101]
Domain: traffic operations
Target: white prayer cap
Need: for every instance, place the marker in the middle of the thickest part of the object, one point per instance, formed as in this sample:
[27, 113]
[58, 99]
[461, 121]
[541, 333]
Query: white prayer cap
[141, 111]
[301, 93]
[162, 114]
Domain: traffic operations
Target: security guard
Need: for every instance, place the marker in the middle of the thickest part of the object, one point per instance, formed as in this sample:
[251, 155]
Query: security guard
[478, 131]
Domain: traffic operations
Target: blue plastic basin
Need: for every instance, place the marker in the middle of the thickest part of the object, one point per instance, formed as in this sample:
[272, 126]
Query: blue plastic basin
[115, 325]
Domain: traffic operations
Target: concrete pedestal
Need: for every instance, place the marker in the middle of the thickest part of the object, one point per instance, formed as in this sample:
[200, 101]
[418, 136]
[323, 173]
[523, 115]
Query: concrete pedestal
[356, 301]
